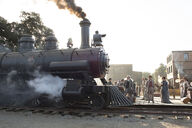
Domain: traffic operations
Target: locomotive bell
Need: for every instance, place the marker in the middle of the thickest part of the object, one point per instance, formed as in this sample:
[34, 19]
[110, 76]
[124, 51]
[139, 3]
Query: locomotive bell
[85, 24]
[26, 43]
[50, 42]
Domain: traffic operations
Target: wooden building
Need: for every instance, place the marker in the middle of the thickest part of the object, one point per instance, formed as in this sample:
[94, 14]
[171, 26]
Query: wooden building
[179, 65]
[120, 71]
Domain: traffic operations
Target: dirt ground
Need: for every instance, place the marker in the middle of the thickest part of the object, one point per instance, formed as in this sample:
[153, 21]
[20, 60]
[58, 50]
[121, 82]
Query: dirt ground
[29, 120]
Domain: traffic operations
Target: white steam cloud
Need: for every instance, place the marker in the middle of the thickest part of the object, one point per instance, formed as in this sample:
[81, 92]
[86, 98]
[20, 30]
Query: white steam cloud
[48, 84]
[179, 68]
[16, 91]
[10, 77]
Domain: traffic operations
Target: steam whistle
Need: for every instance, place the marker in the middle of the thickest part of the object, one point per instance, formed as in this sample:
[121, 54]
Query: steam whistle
[70, 43]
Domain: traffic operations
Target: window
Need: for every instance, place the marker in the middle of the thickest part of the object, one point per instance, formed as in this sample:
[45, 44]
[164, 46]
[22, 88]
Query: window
[168, 70]
[186, 56]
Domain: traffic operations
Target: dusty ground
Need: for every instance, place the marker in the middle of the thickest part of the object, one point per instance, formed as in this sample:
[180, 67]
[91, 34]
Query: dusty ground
[29, 120]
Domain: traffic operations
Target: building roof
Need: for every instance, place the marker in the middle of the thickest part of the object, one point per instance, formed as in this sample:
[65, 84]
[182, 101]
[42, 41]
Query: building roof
[183, 51]
[179, 51]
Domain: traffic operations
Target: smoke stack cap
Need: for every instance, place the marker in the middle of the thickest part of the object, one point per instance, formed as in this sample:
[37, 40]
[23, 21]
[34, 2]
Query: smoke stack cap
[26, 43]
[50, 42]
[85, 22]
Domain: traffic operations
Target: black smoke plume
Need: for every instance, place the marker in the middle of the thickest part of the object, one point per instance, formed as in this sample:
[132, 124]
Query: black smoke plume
[71, 6]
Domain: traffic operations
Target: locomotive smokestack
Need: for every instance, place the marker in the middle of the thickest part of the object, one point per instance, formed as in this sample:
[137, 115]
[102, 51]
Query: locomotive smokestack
[85, 24]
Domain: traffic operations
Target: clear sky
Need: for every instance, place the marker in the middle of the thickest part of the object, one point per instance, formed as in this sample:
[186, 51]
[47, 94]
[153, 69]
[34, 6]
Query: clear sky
[139, 32]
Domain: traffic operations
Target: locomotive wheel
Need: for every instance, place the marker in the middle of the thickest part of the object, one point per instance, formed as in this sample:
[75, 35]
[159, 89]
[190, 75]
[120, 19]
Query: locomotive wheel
[33, 103]
[66, 104]
[36, 102]
[96, 102]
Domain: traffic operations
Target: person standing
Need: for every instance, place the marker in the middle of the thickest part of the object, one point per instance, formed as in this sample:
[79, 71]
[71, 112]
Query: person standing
[138, 89]
[184, 84]
[121, 83]
[150, 89]
[110, 82]
[97, 39]
[121, 86]
[115, 83]
[128, 87]
[133, 90]
[181, 85]
[164, 91]
[185, 87]
[144, 88]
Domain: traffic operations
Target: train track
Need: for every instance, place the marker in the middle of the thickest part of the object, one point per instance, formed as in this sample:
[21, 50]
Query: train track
[159, 110]
[155, 110]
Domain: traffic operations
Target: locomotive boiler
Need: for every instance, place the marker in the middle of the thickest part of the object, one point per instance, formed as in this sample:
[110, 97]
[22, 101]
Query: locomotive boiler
[78, 66]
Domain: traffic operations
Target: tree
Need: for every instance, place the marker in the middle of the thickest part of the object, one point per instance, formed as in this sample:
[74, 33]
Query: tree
[7, 36]
[161, 71]
[30, 23]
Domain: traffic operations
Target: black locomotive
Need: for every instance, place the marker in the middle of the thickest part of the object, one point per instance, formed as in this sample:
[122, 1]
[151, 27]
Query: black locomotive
[78, 66]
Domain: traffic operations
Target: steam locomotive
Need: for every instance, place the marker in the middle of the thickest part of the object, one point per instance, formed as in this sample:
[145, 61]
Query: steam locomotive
[79, 67]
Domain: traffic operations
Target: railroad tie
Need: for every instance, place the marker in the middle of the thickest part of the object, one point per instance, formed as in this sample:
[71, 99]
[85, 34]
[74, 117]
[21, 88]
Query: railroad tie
[179, 117]
[9, 109]
[19, 109]
[124, 116]
[160, 117]
[54, 112]
[3, 108]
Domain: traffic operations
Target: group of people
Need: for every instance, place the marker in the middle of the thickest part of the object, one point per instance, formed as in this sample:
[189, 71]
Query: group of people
[148, 89]
[127, 86]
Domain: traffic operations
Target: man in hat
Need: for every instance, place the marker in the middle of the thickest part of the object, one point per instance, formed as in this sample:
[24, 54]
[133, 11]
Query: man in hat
[97, 39]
